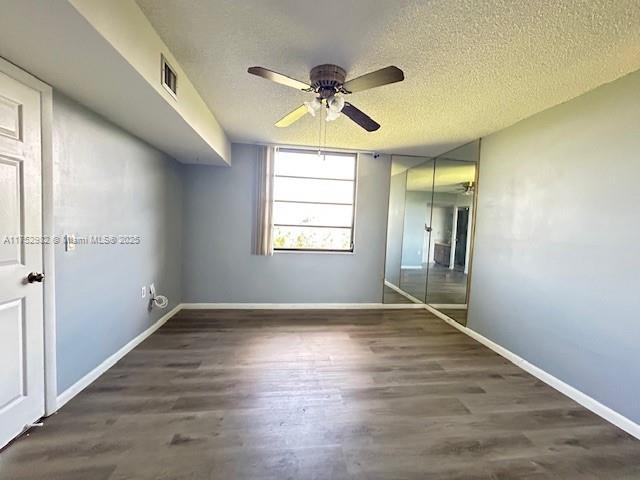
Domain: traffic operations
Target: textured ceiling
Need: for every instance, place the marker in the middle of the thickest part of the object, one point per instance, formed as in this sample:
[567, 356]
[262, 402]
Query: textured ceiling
[472, 66]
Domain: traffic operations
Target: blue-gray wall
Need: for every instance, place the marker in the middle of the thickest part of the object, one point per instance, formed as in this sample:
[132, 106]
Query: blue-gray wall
[556, 266]
[218, 230]
[108, 182]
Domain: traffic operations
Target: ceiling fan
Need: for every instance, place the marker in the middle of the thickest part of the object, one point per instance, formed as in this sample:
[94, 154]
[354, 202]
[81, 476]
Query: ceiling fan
[467, 188]
[327, 82]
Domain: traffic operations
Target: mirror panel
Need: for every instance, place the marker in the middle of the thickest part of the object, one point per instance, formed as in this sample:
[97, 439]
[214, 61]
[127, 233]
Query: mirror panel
[452, 210]
[455, 182]
[395, 224]
[405, 281]
[416, 230]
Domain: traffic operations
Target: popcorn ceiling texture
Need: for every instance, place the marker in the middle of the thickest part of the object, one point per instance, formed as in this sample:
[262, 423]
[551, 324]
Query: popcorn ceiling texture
[472, 67]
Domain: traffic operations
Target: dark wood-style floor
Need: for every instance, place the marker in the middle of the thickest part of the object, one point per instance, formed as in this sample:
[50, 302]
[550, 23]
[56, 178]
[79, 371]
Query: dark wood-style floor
[384, 394]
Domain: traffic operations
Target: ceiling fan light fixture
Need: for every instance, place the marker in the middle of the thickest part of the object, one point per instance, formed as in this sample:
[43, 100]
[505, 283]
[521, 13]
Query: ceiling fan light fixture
[313, 106]
[335, 103]
[332, 115]
[469, 188]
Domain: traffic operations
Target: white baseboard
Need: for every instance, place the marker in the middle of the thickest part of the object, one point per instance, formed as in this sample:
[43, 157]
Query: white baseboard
[294, 306]
[90, 377]
[449, 306]
[582, 398]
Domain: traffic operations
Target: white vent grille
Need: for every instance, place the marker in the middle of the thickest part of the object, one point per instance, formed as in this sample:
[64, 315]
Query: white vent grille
[169, 77]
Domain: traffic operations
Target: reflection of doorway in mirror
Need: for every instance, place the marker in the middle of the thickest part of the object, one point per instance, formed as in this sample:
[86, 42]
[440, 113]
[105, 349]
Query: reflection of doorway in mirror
[459, 253]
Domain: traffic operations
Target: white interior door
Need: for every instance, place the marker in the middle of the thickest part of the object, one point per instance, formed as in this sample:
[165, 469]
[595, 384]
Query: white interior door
[21, 302]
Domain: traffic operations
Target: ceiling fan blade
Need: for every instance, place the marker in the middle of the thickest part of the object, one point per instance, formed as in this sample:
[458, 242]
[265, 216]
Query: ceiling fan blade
[360, 117]
[279, 78]
[292, 117]
[384, 76]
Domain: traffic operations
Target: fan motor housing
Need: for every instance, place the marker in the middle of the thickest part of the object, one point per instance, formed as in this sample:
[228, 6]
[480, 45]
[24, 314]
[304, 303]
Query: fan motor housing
[326, 79]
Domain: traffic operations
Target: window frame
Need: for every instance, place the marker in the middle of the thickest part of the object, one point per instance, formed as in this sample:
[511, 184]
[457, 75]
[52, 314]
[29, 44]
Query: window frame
[309, 151]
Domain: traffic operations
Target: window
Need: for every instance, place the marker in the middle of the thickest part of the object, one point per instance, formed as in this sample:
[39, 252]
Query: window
[313, 200]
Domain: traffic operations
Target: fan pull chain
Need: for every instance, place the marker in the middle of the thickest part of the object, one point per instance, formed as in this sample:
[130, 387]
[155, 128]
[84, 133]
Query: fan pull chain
[320, 134]
[324, 142]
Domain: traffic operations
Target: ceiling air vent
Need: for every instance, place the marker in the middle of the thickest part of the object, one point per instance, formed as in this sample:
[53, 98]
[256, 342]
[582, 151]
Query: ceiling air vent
[169, 77]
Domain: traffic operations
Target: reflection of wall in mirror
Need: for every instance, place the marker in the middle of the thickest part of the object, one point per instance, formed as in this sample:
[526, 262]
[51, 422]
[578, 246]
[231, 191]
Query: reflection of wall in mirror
[395, 227]
[415, 214]
[441, 227]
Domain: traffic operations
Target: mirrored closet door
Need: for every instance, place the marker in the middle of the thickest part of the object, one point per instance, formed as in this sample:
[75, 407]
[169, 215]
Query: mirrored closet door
[416, 230]
[430, 230]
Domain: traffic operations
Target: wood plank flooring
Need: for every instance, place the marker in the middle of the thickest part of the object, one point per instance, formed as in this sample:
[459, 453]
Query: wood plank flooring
[384, 394]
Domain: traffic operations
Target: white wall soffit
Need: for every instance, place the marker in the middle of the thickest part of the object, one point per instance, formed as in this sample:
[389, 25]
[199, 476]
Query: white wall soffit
[106, 55]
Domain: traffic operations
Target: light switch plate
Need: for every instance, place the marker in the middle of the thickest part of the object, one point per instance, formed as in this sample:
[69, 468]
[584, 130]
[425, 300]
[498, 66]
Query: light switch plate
[69, 242]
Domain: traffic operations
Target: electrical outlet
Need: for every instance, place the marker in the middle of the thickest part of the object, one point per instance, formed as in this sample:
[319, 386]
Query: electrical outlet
[152, 290]
[144, 292]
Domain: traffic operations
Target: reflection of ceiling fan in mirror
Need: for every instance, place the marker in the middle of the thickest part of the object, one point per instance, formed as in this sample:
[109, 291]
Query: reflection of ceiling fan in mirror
[467, 188]
[328, 83]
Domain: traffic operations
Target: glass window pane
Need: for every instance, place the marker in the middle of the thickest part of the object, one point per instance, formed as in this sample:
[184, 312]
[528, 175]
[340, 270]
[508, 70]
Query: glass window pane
[312, 214]
[312, 238]
[311, 190]
[312, 165]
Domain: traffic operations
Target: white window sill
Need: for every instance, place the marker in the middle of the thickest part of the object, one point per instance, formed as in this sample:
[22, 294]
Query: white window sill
[320, 252]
